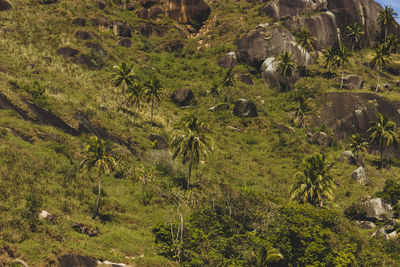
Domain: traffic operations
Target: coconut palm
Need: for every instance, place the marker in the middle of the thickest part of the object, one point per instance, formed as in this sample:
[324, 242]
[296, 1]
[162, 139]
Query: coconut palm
[305, 40]
[343, 56]
[191, 122]
[154, 93]
[383, 132]
[134, 97]
[304, 109]
[191, 145]
[266, 255]
[286, 66]
[386, 19]
[228, 82]
[354, 32]
[98, 155]
[393, 44]
[381, 58]
[330, 58]
[314, 183]
[215, 92]
[358, 144]
[124, 77]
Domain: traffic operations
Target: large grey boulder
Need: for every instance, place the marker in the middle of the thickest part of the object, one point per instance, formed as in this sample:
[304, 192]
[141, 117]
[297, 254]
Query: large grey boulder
[366, 224]
[125, 42]
[353, 81]
[381, 232]
[73, 260]
[228, 61]
[188, 11]
[83, 35]
[4, 5]
[258, 45]
[122, 29]
[280, 9]
[375, 209]
[67, 51]
[271, 76]
[359, 176]
[161, 142]
[245, 109]
[348, 157]
[182, 97]
[321, 139]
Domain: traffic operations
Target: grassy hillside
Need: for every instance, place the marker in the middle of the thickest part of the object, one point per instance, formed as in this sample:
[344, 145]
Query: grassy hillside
[253, 159]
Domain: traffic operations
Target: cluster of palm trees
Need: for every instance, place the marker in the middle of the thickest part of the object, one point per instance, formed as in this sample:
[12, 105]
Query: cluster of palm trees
[315, 184]
[134, 91]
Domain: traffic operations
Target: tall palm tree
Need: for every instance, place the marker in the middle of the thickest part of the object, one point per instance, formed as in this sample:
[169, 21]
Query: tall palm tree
[393, 44]
[191, 122]
[215, 92]
[124, 77]
[330, 58]
[228, 82]
[192, 145]
[314, 183]
[154, 93]
[286, 66]
[134, 97]
[98, 155]
[305, 40]
[304, 109]
[354, 32]
[358, 144]
[382, 57]
[383, 132]
[386, 19]
[343, 55]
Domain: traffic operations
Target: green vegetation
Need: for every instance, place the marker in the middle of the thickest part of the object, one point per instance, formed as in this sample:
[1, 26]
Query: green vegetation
[286, 67]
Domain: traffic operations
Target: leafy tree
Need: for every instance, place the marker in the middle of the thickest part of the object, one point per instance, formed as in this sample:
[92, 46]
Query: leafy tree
[98, 155]
[192, 144]
[124, 77]
[381, 58]
[305, 40]
[134, 97]
[304, 109]
[386, 19]
[154, 93]
[354, 32]
[315, 183]
[393, 44]
[286, 66]
[228, 82]
[358, 144]
[343, 56]
[215, 92]
[383, 132]
[330, 58]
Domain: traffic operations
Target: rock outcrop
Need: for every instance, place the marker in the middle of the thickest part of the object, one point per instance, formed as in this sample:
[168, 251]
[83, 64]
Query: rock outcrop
[280, 9]
[245, 109]
[4, 5]
[160, 142]
[321, 139]
[375, 209]
[359, 176]
[228, 61]
[188, 11]
[70, 260]
[122, 29]
[182, 97]
[353, 82]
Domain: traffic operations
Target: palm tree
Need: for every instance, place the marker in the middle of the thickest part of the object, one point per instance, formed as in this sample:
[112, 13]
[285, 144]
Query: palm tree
[124, 77]
[266, 255]
[215, 92]
[154, 93]
[393, 44]
[384, 132]
[286, 66]
[358, 144]
[134, 97]
[315, 183]
[191, 122]
[192, 145]
[330, 58]
[386, 19]
[97, 155]
[382, 57]
[343, 56]
[228, 82]
[304, 109]
[354, 33]
[305, 40]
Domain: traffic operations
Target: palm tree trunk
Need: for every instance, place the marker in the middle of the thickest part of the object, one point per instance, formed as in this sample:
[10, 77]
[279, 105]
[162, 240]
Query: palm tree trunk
[227, 95]
[286, 83]
[152, 108]
[98, 196]
[341, 83]
[122, 98]
[190, 170]
[382, 153]
[379, 78]
[134, 115]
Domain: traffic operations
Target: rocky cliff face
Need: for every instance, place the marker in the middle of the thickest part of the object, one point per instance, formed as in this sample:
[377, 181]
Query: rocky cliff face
[188, 11]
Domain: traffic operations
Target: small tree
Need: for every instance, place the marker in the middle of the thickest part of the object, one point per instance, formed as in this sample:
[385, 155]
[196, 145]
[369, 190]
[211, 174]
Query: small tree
[381, 58]
[358, 144]
[124, 77]
[215, 92]
[354, 32]
[343, 56]
[393, 44]
[154, 93]
[228, 82]
[286, 67]
[330, 58]
[314, 183]
[305, 40]
[386, 19]
[383, 132]
[135, 97]
[304, 109]
[98, 155]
